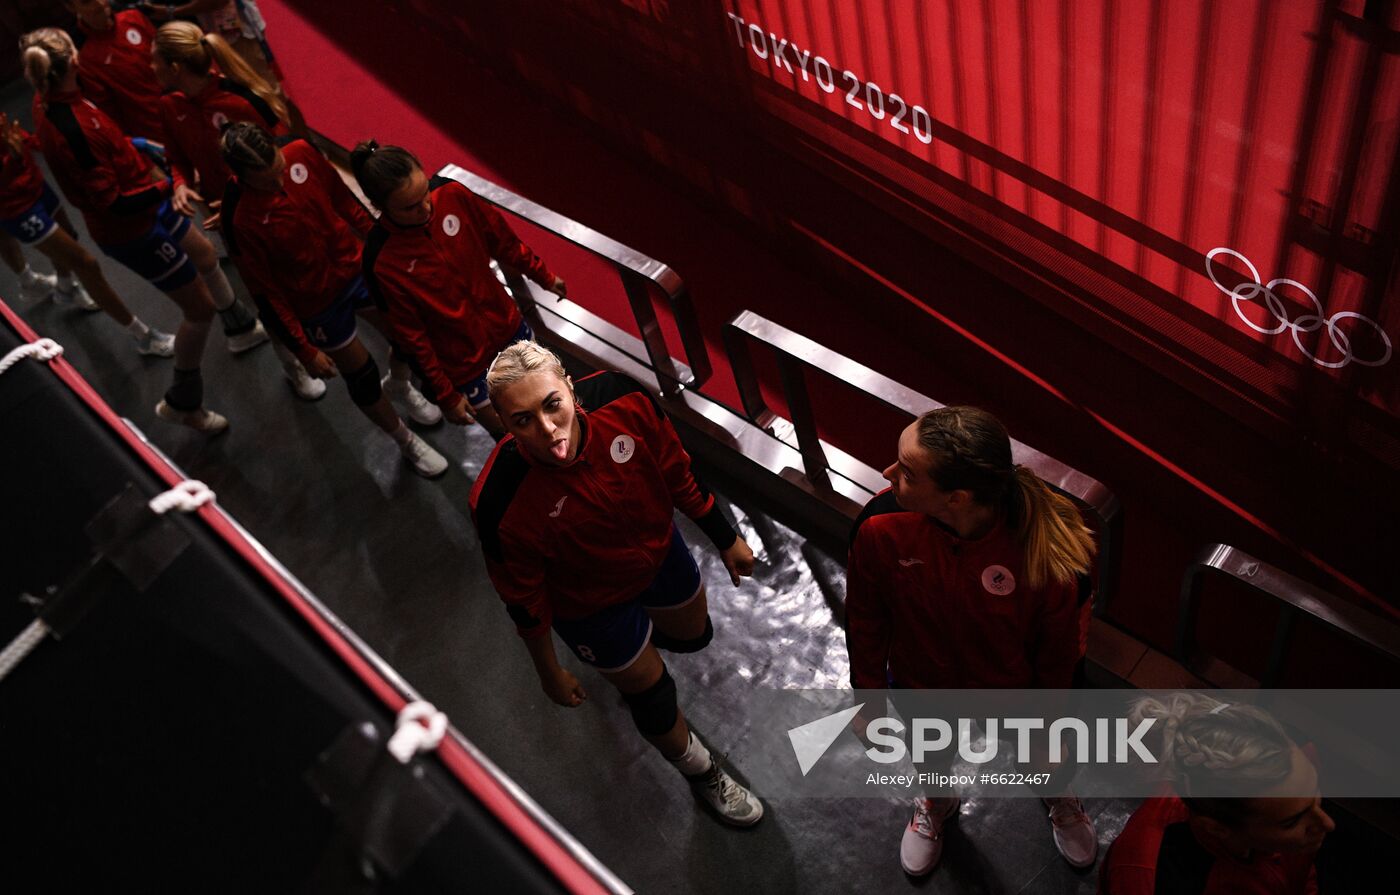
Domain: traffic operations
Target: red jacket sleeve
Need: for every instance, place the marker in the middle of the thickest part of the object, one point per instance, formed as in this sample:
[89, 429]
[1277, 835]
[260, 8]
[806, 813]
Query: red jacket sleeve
[345, 203]
[674, 462]
[253, 265]
[181, 168]
[411, 335]
[868, 623]
[519, 579]
[1057, 651]
[504, 245]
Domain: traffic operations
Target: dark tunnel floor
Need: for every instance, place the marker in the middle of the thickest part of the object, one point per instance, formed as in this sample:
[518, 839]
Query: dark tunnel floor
[396, 558]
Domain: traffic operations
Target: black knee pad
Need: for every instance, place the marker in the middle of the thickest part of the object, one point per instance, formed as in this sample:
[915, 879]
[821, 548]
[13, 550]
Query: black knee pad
[678, 645]
[654, 709]
[364, 384]
[186, 390]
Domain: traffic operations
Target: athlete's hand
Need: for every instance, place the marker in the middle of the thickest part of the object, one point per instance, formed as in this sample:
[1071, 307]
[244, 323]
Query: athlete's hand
[11, 135]
[559, 288]
[564, 689]
[321, 366]
[460, 413]
[183, 200]
[212, 222]
[738, 559]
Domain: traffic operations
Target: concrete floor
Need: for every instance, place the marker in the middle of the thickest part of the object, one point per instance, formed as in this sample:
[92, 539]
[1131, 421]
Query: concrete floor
[397, 559]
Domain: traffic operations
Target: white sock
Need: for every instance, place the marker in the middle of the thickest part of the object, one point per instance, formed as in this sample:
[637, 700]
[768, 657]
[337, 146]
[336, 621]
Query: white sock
[402, 435]
[137, 327]
[695, 760]
[220, 289]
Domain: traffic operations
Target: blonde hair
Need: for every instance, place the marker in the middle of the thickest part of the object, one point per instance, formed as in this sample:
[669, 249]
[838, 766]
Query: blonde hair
[47, 57]
[520, 360]
[972, 451]
[185, 45]
[1205, 742]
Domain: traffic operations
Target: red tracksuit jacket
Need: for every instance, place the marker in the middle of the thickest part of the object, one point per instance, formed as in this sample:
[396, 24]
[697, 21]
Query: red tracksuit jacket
[568, 541]
[299, 246]
[95, 166]
[943, 612]
[436, 287]
[116, 74]
[194, 124]
[21, 181]
[1157, 853]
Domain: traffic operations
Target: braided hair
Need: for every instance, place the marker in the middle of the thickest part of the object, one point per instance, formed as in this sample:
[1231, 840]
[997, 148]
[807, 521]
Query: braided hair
[971, 451]
[1208, 742]
[247, 147]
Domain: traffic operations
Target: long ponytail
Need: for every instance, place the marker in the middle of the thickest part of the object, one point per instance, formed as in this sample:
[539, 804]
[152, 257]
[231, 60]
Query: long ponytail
[1058, 545]
[971, 451]
[184, 44]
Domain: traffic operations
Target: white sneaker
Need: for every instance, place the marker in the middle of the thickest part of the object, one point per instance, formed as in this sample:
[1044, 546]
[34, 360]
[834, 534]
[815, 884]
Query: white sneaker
[156, 343]
[734, 804]
[424, 460]
[306, 386]
[409, 402]
[1073, 830]
[78, 298]
[201, 420]
[922, 845]
[35, 286]
[245, 341]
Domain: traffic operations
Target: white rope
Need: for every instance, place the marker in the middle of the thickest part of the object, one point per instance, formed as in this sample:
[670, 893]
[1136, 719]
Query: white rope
[43, 349]
[419, 728]
[188, 496]
[22, 646]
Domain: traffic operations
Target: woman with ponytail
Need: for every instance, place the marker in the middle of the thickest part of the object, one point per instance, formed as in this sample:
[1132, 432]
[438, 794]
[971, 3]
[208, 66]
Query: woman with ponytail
[208, 88]
[968, 573]
[1261, 840]
[428, 265]
[125, 200]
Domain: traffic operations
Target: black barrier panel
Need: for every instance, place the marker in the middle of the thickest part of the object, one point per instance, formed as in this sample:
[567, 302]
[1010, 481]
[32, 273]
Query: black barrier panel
[173, 739]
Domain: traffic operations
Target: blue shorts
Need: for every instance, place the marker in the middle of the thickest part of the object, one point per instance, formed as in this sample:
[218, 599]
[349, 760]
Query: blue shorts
[157, 256]
[335, 326]
[476, 389]
[612, 639]
[37, 222]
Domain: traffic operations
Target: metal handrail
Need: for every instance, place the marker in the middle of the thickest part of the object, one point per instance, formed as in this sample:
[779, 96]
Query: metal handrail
[643, 278]
[1297, 599]
[795, 354]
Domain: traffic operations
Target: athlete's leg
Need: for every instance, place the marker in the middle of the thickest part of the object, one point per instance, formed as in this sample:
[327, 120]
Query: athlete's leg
[352, 357]
[69, 256]
[12, 254]
[240, 325]
[640, 677]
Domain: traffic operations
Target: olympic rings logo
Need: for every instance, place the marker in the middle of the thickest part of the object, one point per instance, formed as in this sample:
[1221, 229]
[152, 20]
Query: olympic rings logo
[1305, 324]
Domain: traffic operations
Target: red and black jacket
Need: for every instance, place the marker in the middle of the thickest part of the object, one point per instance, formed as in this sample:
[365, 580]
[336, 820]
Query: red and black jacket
[927, 609]
[116, 74]
[567, 541]
[114, 185]
[439, 294]
[299, 246]
[1157, 854]
[194, 124]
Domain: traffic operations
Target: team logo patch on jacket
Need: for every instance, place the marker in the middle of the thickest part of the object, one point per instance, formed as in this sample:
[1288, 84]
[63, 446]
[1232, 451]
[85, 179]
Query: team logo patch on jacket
[998, 580]
[451, 224]
[133, 37]
[623, 447]
[298, 173]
